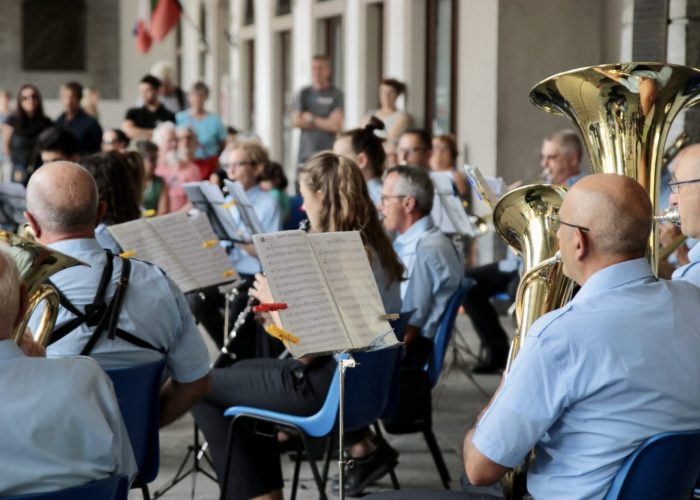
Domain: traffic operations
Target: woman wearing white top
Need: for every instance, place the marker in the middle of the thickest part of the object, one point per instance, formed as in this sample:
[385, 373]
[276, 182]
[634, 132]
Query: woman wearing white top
[396, 121]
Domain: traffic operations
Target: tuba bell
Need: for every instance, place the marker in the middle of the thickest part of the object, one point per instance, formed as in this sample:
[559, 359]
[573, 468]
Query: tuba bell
[36, 263]
[523, 218]
[624, 113]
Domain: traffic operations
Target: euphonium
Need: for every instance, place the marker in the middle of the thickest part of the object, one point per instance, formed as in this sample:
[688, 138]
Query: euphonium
[523, 218]
[623, 112]
[36, 263]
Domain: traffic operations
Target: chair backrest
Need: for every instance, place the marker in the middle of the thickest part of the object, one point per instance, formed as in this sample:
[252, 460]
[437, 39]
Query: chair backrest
[111, 488]
[444, 332]
[368, 386]
[138, 392]
[664, 466]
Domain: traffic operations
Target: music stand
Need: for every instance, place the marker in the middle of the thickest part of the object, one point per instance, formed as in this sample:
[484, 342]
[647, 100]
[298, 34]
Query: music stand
[205, 199]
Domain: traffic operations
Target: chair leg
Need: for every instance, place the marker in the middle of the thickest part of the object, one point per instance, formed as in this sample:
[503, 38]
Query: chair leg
[297, 466]
[437, 456]
[314, 468]
[227, 465]
[392, 472]
[145, 492]
[327, 461]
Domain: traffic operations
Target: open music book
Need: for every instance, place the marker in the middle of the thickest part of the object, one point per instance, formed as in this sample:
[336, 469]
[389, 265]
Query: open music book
[209, 199]
[187, 250]
[244, 206]
[448, 212]
[326, 281]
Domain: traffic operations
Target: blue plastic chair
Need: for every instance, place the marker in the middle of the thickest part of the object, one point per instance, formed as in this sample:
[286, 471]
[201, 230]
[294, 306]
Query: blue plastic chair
[432, 371]
[664, 466]
[362, 407]
[138, 393]
[112, 488]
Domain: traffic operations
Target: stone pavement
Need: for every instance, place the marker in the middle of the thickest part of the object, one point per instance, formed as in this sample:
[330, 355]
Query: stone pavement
[456, 402]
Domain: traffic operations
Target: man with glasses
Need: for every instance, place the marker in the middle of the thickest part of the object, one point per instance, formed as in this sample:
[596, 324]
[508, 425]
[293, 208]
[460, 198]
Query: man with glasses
[414, 148]
[597, 377]
[685, 195]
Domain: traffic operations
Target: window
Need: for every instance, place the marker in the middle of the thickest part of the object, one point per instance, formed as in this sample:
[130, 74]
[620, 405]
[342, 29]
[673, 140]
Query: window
[441, 64]
[249, 13]
[283, 7]
[53, 35]
[332, 46]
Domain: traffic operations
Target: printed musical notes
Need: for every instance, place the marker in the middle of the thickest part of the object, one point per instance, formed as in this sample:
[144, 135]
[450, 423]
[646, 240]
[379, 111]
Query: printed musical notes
[326, 281]
[175, 243]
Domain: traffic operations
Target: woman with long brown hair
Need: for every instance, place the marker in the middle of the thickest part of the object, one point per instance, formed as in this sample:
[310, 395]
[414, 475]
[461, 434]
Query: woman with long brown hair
[336, 199]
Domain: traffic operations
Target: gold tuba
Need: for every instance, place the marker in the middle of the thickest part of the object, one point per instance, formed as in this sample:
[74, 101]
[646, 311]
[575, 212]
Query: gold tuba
[623, 112]
[523, 218]
[36, 263]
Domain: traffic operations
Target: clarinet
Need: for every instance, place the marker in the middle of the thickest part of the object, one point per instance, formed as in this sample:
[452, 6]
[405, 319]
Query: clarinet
[227, 356]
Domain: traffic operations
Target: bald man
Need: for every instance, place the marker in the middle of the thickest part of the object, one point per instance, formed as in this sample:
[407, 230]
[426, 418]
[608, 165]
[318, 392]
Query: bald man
[61, 424]
[154, 321]
[685, 194]
[596, 378]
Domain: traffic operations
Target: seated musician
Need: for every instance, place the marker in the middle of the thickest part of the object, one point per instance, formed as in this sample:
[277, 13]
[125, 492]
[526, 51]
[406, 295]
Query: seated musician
[685, 194]
[243, 162]
[335, 199]
[153, 321]
[61, 424]
[596, 378]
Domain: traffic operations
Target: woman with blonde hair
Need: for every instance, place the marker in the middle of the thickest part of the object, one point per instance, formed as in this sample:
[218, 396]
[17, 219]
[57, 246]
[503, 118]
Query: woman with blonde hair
[336, 199]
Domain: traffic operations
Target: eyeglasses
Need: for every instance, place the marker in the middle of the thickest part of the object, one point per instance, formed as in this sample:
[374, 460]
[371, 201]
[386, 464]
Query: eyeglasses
[385, 197]
[674, 186]
[555, 222]
[29, 97]
[410, 150]
[235, 164]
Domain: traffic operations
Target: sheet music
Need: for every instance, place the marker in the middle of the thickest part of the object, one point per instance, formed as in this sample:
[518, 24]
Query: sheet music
[483, 188]
[139, 237]
[244, 206]
[208, 198]
[348, 273]
[448, 213]
[295, 278]
[207, 265]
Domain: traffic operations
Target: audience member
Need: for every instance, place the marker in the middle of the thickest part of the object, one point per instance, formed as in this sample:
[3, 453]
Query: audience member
[415, 148]
[21, 130]
[211, 134]
[74, 117]
[139, 122]
[176, 166]
[443, 161]
[318, 111]
[395, 120]
[169, 94]
[115, 140]
[58, 143]
[91, 101]
[155, 193]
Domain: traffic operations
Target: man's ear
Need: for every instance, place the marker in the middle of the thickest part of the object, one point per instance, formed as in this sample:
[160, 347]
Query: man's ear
[409, 204]
[101, 210]
[361, 160]
[582, 244]
[36, 229]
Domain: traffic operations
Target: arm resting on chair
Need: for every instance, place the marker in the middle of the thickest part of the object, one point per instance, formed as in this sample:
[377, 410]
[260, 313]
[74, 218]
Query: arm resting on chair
[176, 398]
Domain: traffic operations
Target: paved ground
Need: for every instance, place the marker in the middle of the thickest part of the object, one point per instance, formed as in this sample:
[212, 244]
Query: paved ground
[456, 402]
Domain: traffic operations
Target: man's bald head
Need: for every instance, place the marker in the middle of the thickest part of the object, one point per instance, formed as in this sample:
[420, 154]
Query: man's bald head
[616, 209]
[62, 198]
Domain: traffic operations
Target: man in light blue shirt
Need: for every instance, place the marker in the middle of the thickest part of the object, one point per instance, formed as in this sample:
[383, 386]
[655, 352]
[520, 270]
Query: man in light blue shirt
[61, 423]
[596, 378]
[685, 194]
[154, 321]
[434, 267]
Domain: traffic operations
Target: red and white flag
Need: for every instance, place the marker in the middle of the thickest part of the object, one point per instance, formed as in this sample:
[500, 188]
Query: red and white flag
[142, 28]
[165, 17]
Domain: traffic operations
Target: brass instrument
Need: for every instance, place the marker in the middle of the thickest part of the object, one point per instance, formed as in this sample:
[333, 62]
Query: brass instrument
[672, 151]
[523, 218]
[36, 263]
[671, 216]
[624, 113]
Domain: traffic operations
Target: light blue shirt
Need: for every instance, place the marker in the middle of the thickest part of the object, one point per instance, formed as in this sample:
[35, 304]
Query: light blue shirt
[434, 270]
[268, 211]
[596, 378]
[374, 186]
[389, 291]
[154, 310]
[61, 424]
[691, 271]
[209, 130]
[105, 239]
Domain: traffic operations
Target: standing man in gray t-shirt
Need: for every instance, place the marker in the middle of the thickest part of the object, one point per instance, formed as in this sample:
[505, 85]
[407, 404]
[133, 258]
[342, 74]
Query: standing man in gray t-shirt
[318, 111]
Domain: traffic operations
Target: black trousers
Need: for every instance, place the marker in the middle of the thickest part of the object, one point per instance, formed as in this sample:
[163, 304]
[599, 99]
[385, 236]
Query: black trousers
[286, 386]
[489, 281]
